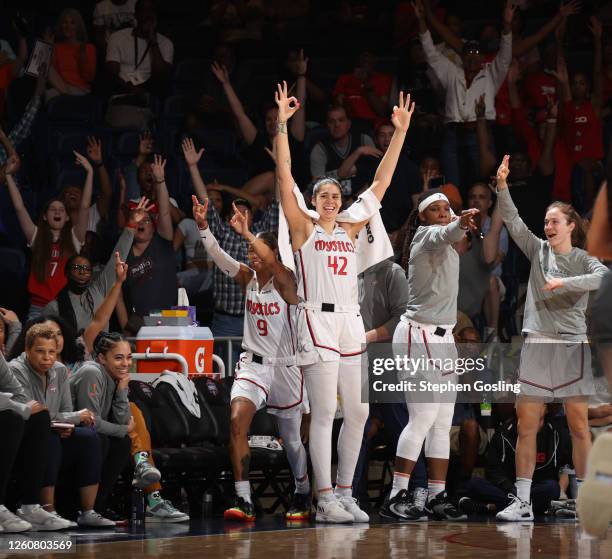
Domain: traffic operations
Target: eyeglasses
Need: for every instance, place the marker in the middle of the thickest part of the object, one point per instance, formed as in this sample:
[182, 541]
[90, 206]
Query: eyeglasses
[80, 268]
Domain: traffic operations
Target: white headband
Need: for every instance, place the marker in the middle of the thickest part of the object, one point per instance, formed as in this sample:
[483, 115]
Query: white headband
[431, 199]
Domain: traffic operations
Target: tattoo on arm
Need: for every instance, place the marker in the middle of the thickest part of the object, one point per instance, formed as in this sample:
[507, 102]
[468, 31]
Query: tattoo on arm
[282, 127]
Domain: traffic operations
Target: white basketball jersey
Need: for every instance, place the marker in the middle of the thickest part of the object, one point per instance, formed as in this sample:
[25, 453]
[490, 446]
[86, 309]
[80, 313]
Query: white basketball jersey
[269, 327]
[327, 268]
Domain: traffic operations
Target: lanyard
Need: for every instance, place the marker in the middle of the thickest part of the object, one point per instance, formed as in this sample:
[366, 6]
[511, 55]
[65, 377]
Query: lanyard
[136, 62]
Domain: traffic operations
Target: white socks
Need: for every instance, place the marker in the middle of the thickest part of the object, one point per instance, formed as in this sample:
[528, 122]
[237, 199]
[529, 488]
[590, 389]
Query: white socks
[243, 489]
[341, 491]
[400, 482]
[434, 488]
[523, 489]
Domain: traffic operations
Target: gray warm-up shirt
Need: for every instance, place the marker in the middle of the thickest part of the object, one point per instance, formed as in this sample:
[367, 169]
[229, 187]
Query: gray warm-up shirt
[561, 313]
[93, 388]
[433, 275]
[16, 399]
[50, 389]
[99, 287]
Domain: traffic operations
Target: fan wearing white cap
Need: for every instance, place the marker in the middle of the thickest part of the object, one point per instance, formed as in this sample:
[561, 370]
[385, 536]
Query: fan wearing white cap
[425, 331]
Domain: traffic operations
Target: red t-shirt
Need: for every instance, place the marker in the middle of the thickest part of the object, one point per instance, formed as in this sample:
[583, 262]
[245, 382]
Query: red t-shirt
[43, 292]
[584, 131]
[354, 94]
[537, 87]
[66, 58]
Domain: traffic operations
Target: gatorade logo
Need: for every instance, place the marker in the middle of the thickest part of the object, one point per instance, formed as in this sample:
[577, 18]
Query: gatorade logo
[199, 359]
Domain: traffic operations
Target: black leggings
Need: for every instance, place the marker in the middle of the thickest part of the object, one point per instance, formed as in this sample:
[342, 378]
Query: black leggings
[115, 457]
[24, 443]
[80, 452]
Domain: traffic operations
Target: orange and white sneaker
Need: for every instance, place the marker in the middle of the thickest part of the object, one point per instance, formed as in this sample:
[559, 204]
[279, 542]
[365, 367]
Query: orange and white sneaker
[241, 510]
[299, 508]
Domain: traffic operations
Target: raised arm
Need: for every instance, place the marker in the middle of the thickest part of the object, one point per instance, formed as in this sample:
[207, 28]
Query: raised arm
[422, 9]
[238, 271]
[298, 123]
[80, 227]
[597, 95]
[499, 67]
[523, 46]
[486, 157]
[164, 221]
[284, 280]
[25, 221]
[94, 152]
[192, 158]
[105, 310]
[490, 244]
[519, 232]
[402, 113]
[299, 224]
[247, 128]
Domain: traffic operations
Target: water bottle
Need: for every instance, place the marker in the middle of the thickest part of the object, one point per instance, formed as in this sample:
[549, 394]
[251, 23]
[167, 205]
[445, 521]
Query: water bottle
[137, 515]
[207, 505]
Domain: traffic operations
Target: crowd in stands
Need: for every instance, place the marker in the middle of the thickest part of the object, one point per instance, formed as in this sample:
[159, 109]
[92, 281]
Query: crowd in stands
[143, 104]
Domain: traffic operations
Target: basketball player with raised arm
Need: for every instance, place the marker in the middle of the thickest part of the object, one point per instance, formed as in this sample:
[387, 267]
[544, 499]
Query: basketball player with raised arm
[266, 373]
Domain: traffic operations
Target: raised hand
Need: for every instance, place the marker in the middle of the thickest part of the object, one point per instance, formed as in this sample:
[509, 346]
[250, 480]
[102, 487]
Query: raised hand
[595, 27]
[158, 167]
[220, 72]
[508, 14]
[467, 219]
[240, 221]
[419, 9]
[192, 157]
[480, 107]
[94, 150]
[8, 315]
[503, 171]
[145, 144]
[302, 64]
[121, 269]
[12, 165]
[427, 176]
[402, 113]
[287, 106]
[567, 9]
[199, 212]
[141, 211]
[82, 161]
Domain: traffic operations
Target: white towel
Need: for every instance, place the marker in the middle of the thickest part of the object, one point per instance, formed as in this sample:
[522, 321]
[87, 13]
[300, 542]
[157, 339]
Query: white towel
[185, 389]
[372, 245]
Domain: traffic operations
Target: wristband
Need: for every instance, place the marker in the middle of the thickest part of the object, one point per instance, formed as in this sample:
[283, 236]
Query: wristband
[132, 225]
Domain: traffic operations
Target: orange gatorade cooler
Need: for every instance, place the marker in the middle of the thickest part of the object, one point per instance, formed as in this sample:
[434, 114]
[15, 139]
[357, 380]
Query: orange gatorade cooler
[195, 344]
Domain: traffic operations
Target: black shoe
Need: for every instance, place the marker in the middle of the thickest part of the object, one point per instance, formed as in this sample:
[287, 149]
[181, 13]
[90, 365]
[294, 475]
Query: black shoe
[118, 519]
[440, 508]
[471, 506]
[240, 510]
[299, 508]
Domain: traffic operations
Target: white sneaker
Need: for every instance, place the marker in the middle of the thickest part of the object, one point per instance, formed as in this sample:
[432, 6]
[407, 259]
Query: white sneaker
[93, 519]
[349, 504]
[332, 511]
[71, 523]
[164, 511]
[12, 523]
[41, 520]
[145, 474]
[516, 511]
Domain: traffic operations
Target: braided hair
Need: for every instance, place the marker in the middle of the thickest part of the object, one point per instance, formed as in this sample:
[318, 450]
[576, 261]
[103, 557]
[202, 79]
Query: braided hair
[105, 341]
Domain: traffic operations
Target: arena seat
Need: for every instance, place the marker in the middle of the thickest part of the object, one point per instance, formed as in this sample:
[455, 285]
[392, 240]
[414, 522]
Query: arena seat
[82, 109]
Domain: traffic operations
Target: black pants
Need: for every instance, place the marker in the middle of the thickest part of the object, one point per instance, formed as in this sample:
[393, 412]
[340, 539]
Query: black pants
[115, 457]
[80, 453]
[24, 445]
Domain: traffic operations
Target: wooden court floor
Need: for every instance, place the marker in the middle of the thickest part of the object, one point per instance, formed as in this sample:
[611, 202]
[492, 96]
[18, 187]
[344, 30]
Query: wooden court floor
[268, 540]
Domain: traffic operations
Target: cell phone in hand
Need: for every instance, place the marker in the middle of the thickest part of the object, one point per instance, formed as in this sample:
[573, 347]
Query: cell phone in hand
[437, 182]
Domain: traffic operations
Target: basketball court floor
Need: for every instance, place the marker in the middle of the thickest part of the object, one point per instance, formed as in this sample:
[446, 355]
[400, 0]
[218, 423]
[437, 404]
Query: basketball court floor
[271, 537]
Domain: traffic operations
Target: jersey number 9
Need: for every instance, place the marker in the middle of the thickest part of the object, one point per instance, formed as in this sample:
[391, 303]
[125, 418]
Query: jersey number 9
[262, 326]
